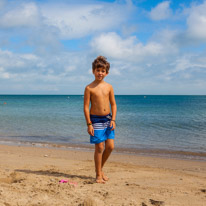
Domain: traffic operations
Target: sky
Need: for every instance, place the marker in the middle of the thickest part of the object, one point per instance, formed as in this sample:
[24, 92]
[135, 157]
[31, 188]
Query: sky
[154, 47]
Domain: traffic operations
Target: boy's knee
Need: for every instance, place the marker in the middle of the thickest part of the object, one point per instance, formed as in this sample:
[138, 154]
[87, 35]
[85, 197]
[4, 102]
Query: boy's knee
[110, 147]
[100, 148]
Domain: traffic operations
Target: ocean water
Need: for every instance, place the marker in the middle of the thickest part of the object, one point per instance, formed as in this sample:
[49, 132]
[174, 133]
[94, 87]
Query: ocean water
[153, 122]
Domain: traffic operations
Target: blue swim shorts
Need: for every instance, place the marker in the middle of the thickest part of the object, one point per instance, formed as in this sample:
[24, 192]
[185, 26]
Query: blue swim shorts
[102, 129]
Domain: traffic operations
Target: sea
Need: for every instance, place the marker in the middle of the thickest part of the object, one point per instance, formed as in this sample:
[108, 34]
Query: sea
[158, 125]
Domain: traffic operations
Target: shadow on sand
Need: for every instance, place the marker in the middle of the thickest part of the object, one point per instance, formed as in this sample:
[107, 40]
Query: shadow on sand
[56, 174]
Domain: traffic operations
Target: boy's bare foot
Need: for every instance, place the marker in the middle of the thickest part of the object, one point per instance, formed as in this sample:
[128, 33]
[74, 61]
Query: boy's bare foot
[104, 177]
[100, 180]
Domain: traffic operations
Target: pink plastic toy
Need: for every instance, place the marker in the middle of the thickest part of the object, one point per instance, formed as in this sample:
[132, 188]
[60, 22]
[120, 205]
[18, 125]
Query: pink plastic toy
[63, 181]
[70, 182]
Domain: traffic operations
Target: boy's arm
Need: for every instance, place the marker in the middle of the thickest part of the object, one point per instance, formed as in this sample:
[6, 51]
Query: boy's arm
[113, 108]
[86, 111]
[86, 104]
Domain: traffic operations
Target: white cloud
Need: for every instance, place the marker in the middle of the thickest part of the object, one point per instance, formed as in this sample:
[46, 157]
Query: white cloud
[62, 19]
[115, 71]
[30, 68]
[3, 74]
[184, 67]
[70, 68]
[130, 49]
[29, 57]
[182, 64]
[17, 63]
[25, 14]
[75, 21]
[197, 22]
[161, 11]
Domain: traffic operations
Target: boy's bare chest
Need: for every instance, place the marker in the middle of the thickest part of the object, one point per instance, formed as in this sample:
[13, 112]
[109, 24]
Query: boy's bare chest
[100, 93]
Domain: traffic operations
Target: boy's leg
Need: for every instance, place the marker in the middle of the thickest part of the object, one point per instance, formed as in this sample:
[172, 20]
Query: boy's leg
[109, 146]
[98, 161]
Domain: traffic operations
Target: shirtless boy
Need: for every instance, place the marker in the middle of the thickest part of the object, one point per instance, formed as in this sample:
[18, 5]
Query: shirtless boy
[100, 120]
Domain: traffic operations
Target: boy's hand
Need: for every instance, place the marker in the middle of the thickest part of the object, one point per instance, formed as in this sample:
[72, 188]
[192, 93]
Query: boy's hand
[113, 125]
[90, 130]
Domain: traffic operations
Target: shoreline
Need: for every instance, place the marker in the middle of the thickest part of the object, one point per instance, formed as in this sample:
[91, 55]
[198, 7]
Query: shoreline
[30, 175]
[163, 153]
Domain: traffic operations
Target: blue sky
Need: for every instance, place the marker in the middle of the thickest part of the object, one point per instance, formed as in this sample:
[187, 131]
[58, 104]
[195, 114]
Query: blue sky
[153, 46]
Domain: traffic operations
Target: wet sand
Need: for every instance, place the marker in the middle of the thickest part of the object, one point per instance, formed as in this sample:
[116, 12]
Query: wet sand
[30, 176]
[187, 155]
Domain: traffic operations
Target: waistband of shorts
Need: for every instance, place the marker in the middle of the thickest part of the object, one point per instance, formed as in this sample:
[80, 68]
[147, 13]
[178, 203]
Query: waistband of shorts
[99, 116]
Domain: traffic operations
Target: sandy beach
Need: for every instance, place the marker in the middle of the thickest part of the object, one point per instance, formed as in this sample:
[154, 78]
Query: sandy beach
[30, 176]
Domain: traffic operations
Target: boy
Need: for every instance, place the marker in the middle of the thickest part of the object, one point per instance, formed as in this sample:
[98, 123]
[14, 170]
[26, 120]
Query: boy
[100, 122]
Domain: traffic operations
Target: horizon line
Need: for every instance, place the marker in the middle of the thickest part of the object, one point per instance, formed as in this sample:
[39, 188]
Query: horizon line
[117, 94]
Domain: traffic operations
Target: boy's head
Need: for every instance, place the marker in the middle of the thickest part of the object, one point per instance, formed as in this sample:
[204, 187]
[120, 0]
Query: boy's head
[101, 62]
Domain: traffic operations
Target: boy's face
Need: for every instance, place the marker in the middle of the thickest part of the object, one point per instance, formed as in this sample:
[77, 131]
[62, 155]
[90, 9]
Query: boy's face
[100, 73]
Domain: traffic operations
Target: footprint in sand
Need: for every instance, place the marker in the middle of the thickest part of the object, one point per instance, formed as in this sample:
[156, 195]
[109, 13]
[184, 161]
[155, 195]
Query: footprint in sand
[88, 182]
[203, 190]
[88, 202]
[6, 204]
[13, 178]
[156, 203]
[131, 184]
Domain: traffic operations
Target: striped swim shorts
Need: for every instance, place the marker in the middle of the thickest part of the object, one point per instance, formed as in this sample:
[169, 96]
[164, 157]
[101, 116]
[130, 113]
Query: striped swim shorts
[102, 129]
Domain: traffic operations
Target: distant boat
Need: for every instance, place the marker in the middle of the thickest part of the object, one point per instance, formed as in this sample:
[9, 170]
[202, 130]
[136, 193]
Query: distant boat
[145, 96]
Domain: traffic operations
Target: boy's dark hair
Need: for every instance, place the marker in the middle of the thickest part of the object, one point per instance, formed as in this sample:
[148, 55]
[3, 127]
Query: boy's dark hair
[100, 62]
